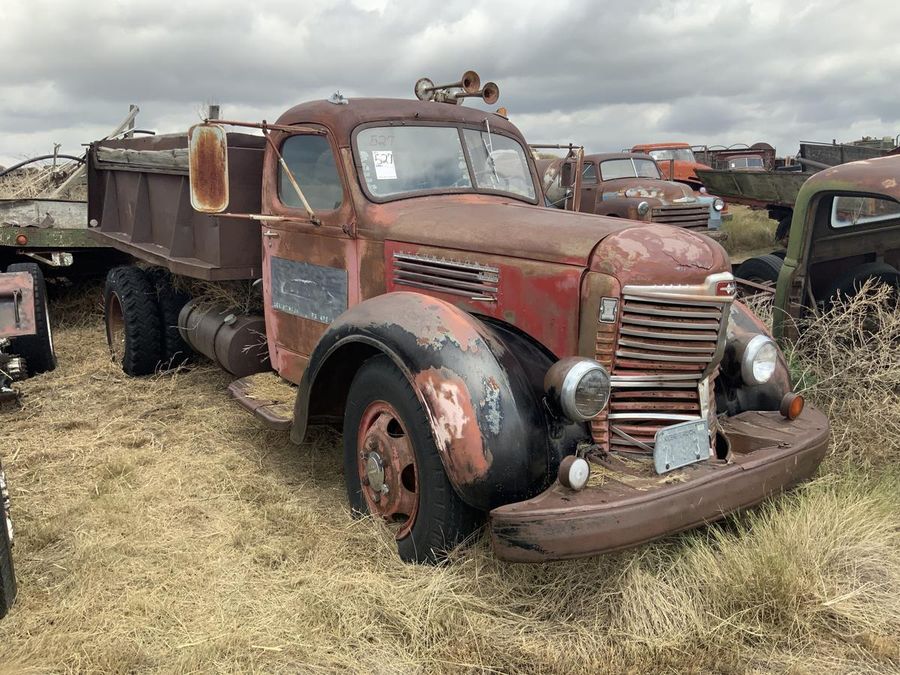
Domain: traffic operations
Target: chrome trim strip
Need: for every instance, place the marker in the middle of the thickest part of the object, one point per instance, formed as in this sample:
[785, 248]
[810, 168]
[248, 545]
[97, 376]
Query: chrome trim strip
[669, 336]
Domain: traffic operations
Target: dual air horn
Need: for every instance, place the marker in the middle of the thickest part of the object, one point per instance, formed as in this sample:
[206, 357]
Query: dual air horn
[468, 86]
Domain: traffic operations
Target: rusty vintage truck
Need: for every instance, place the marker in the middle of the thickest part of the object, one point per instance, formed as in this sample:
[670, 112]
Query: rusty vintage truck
[623, 185]
[580, 383]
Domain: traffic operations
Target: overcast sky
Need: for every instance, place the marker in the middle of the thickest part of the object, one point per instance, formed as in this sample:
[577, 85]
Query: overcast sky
[605, 74]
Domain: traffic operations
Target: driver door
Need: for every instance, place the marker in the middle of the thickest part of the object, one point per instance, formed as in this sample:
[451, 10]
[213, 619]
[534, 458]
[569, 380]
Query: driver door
[310, 271]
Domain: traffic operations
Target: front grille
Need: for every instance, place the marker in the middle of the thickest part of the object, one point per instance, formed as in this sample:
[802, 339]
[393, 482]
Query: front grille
[669, 344]
[691, 216]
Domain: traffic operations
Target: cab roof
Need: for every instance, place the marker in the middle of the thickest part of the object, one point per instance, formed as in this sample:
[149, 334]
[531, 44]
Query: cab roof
[343, 118]
[880, 175]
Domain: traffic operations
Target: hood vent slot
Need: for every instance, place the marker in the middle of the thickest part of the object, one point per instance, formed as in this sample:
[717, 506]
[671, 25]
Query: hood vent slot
[468, 280]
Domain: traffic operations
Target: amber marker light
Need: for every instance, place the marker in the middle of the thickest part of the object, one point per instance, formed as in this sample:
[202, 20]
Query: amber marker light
[792, 405]
[21, 240]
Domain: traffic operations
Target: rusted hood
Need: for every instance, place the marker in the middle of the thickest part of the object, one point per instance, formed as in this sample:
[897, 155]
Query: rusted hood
[498, 226]
[659, 254]
[665, 191]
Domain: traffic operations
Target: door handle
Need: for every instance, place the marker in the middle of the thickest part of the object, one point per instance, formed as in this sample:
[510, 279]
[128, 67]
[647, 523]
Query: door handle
[270, 233]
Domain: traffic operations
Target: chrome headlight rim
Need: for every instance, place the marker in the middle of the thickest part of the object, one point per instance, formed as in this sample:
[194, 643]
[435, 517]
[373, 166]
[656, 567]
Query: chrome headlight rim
[569, 388]
[719, 204]
[751, 352]
[643, 208]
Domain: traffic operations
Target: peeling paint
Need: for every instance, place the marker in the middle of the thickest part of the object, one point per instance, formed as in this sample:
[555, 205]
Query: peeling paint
[490, 405]
[454, 423]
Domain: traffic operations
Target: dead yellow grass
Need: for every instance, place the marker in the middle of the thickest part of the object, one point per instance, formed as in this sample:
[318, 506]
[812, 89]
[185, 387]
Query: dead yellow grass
[161, 529]
[750, 232]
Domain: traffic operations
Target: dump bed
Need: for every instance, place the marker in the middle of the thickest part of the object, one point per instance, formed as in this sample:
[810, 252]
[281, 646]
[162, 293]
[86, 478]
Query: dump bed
[139, 196]
[754, 188]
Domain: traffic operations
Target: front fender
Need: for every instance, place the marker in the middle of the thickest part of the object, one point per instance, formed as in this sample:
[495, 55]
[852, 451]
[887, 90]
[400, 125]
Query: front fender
[743, 325]
[486, 421]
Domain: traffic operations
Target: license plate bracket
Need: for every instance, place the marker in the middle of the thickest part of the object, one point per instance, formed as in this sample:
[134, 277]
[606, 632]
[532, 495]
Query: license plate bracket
[680, 445]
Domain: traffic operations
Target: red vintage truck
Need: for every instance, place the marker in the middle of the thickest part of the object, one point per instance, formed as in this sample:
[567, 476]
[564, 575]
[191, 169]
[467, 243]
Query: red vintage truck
[579, 383]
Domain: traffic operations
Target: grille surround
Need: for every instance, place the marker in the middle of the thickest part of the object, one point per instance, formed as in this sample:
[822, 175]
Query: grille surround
[666, 353]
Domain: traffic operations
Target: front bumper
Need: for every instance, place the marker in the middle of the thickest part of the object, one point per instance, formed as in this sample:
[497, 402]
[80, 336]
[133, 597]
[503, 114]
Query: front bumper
[769, 454]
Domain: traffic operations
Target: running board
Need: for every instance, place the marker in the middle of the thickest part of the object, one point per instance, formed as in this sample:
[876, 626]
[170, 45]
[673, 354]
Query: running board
[268, 397]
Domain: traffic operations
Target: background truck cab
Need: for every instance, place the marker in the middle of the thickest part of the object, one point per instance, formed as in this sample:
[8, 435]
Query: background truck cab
[626, 185]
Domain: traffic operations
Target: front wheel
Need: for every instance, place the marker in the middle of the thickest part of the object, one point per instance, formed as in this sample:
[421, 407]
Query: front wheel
[392, 468]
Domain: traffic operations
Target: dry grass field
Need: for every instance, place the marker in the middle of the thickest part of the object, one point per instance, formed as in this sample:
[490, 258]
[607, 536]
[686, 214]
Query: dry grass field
[161, 529]
[750, 232]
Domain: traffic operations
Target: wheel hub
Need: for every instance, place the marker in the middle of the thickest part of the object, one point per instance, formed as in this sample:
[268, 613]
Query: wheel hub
[375, 472]
[386, 466]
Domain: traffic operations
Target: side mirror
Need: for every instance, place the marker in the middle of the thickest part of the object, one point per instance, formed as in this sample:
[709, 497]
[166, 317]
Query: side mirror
[208, 166]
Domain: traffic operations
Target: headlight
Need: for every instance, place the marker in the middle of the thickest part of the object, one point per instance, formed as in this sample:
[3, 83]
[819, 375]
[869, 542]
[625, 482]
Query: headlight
[643, 208]
[759, 360]
[718, 204]
[580, 387]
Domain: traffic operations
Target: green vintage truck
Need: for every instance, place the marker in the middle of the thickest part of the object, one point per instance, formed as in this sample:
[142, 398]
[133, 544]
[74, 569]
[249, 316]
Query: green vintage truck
[844, 231]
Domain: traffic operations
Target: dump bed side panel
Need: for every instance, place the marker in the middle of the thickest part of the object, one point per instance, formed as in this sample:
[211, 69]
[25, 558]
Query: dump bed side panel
[139, 194]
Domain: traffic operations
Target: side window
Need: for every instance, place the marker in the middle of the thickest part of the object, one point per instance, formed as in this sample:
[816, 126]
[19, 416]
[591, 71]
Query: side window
[849, 211]
[589, 175]
[311, 161]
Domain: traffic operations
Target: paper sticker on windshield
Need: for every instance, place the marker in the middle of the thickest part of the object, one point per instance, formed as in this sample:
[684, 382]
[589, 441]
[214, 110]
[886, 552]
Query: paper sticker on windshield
[384, 164]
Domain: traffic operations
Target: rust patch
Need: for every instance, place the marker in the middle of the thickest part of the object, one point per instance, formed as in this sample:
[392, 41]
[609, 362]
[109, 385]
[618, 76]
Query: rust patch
[454, 423]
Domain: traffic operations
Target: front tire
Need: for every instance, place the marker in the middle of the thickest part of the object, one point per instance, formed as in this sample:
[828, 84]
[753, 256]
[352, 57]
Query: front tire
[7, 572]
[37, 349]
[392, 468]
[133, 327]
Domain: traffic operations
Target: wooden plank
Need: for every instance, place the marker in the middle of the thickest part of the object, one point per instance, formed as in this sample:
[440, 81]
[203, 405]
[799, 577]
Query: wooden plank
[174, 160]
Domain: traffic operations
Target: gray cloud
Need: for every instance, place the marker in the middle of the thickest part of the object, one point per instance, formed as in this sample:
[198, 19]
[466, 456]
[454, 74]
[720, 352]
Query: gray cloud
[604, 74]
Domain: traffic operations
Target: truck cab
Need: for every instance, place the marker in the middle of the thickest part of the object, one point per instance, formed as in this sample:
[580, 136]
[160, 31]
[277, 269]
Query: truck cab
[845, 231]
[676, 160]
[487, 358]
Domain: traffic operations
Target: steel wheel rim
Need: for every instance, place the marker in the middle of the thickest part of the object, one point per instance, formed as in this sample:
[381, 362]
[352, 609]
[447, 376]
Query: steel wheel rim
[115, 329]
[386, 467]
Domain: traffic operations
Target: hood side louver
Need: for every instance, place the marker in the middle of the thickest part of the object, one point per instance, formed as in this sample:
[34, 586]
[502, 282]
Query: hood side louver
[468, 280]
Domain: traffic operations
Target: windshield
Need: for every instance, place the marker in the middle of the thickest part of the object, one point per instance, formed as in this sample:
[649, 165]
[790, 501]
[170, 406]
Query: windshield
[678, 154]
[628, 168]
[408, 159]
[745, 163]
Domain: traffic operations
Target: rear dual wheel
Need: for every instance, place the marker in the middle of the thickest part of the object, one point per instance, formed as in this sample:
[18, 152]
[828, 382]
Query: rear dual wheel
[392, 468]
[141, 312]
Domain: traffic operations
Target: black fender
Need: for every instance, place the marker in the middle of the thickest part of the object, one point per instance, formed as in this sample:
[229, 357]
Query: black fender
[735, 396]
[488, 423]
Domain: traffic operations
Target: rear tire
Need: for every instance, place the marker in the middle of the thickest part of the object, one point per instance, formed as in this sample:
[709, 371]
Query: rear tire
[762, 269]
[441, 519]
[37, 349]
[133, 327]
[175, 350]
[850, 283]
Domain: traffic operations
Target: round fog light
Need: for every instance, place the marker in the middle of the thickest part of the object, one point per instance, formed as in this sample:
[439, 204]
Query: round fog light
[574, 472]
[719, 204]
[579, 386]
[643, 208]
